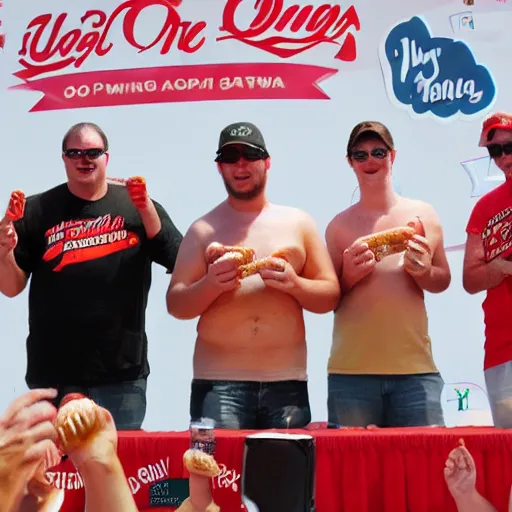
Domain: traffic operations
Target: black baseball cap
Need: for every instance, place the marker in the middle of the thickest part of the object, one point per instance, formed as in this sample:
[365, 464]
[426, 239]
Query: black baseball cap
[242, 133]
[373, 127]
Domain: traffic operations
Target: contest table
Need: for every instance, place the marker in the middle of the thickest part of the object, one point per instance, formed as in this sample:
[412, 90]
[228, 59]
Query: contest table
[357, 470]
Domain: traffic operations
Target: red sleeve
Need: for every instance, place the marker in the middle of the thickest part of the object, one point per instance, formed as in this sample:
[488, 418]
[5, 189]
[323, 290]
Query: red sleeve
[479, 218]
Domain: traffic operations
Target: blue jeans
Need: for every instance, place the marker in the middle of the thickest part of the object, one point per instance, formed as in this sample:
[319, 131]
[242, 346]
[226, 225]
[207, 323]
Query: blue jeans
[126, 401]
[249, 405]
[385, 400]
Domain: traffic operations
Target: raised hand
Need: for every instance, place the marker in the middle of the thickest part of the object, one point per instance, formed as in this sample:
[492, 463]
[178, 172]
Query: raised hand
[460, 472]
[86, 430]
[137, 190]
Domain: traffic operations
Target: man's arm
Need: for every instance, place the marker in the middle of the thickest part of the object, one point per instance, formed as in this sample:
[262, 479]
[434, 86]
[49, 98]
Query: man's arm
[17, 255]
[13, 280]
[332, 239]
[477, 274]
[190, 293]
[317, 289]
[165, 243]
[438, 279]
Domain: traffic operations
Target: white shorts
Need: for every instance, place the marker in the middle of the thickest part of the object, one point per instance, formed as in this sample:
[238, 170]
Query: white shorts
[498, 381]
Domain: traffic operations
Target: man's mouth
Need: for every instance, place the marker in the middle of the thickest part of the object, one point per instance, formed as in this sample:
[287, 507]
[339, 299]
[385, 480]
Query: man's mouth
[241, 178]
[371, 172]
[85, 169]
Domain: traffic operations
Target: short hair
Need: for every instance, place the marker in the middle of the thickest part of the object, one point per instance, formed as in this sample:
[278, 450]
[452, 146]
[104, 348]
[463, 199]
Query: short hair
[77, 128]
[491, 134]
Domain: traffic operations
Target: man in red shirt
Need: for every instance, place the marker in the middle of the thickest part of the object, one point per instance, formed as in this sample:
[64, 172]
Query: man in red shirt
[488, 266]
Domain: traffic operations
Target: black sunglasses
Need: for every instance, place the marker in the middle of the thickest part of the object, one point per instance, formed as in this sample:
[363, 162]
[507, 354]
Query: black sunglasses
[231, 154]
[498, 150]
[361, 156]
[91, 153]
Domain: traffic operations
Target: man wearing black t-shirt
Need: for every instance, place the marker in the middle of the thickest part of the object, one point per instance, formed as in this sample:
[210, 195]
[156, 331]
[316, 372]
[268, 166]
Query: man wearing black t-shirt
[88, 245]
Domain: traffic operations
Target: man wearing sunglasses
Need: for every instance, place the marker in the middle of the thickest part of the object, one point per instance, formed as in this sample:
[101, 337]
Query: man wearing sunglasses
[88, 246]
[487, 267]
[250, 352]
[381, 369]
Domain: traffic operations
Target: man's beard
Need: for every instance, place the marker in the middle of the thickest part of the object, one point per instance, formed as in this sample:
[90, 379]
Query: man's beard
[248, 195]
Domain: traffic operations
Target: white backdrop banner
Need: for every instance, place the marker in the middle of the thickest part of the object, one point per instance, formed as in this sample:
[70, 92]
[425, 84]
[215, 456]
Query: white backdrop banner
[163, 77]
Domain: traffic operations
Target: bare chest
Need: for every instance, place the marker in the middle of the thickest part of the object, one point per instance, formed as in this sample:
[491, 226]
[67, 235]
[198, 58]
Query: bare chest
[265, 236]
[362, 225]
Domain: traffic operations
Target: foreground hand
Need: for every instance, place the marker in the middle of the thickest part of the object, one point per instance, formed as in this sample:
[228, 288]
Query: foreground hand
[358, 262]
[279, 274]
[418, 256]
[137, 191]
[27, 433]
[460, 472]
[86, 431]
[39, 486]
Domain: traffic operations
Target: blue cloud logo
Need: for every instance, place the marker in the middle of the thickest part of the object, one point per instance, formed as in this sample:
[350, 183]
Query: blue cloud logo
[433, 76]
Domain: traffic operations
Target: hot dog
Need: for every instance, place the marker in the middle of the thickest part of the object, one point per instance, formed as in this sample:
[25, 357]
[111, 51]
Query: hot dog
[393, 241]
[276, 261]
[215, 251]
[200, 463]
[16, 208]
[76, 421]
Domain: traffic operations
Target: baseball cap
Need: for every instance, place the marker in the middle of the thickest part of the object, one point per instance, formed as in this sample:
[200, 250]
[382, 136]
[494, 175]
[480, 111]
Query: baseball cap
[370, 126]
[496, 120]
[242, 133]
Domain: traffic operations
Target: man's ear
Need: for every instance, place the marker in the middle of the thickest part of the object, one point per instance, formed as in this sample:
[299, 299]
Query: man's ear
[219, 168]
[349, 160]
[393, 156]
[267, 164]
[107, 156]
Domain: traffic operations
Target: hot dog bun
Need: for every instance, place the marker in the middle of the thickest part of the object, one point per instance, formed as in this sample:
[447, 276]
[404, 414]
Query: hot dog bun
[393, 241]
[76, 422]
[200, 463]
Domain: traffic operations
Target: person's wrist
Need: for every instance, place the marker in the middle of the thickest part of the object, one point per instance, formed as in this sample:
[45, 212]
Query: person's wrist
[105, 457]
[466, 497]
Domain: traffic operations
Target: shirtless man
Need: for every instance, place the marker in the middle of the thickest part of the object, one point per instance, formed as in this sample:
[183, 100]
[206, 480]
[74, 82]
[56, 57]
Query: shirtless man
[250, 352]
[381, 370]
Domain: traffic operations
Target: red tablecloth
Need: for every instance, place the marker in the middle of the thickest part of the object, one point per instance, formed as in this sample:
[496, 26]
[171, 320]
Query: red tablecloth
[388, 470]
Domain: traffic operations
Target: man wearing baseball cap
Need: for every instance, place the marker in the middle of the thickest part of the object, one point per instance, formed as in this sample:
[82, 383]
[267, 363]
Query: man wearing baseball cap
[381, 369]
[250, 352]
[487, 267]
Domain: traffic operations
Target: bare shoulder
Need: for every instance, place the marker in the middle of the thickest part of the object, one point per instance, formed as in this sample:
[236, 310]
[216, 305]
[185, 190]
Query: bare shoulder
[205, 226]
[291, 213]
[342, 219]
[422, 209]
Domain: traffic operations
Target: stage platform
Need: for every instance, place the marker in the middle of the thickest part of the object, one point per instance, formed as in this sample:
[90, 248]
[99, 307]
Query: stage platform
[357, 470]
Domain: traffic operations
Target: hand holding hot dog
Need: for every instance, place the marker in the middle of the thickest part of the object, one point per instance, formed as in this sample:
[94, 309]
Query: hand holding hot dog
[137, 190]
[418, 256]
[358, 262]
[15, 211]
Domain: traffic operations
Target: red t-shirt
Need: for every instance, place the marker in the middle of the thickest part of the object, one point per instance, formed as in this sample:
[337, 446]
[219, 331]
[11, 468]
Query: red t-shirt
[497, 305]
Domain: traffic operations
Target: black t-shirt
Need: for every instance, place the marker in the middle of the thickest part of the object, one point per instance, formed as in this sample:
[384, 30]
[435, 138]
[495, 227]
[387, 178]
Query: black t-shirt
[90, 267]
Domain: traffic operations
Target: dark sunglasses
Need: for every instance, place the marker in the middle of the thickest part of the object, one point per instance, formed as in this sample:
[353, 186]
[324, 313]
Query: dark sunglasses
[498, 150]
[231, 155]
[91, 153]
[361, 156]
